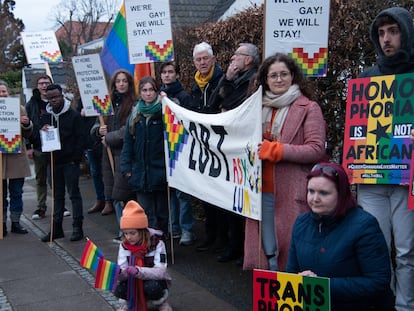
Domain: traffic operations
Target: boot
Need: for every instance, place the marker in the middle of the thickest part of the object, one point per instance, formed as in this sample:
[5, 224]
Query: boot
[57, 232]
[108, 209]
[98, 207]
[77, 233]
[4, 229]
[17, 228]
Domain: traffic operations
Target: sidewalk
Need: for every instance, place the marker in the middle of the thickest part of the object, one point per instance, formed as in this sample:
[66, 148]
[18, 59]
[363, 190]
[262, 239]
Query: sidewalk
[39, 276]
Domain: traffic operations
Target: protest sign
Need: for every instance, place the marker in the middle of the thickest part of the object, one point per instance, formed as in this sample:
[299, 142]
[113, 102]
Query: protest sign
[214, 156]
[299, 29]
[287, 291]
[92, 85]
[10, 136]
[379, 118]
[41, 47]
[149, 33]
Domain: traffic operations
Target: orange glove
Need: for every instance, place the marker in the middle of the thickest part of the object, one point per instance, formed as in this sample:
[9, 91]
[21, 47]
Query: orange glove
[271, 150]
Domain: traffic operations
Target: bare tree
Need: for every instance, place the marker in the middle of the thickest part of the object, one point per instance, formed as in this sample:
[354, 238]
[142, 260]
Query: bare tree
[82, 21]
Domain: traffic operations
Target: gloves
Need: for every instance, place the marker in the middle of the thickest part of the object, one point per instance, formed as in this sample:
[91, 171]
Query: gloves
[130, 271]
[271, 151]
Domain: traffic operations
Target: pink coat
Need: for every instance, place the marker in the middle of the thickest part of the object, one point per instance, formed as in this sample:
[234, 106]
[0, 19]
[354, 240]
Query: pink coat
[303, 136]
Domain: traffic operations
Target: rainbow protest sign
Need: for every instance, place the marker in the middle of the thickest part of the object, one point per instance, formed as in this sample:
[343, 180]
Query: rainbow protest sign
[90, 256]
[379, 118]
[287, 291]
[41, 47]
[10, 137]
[106, 274]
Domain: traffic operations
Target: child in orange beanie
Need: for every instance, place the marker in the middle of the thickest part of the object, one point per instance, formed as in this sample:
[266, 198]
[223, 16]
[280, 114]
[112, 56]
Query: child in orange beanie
[143, 261]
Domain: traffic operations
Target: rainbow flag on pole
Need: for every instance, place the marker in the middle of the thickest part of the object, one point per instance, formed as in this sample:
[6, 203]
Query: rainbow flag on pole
[106, 275]
[114, 54]
[90, 256]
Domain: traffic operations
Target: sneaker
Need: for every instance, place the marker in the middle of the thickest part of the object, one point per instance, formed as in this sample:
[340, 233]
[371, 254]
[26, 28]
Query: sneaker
[117, 240]
[187, 238]
[176, 235]
[66, 213]
[38, 214]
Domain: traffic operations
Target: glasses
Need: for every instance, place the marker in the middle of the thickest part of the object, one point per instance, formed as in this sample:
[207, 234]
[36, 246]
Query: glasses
[56, 97]
[204, 58]
[325, 170]
[43, 83]
[240, 53]
[282, 75]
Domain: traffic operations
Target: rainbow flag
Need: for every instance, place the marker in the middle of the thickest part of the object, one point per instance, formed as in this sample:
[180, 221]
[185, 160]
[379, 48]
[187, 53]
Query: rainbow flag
[106, 275]
[114, 54]
[90, 256]
[379, 118]
[288, 291]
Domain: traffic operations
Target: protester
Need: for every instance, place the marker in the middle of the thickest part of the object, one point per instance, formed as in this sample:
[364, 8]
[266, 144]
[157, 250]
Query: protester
[181, 208]
[392, 33]
[143, 260]
[66, 161]
[142, 156]
[36, 109]
[123, 98]
[206, 78]
[94, 156]
[338, 240]
[15, 167]
[230, 92]
[293, 140]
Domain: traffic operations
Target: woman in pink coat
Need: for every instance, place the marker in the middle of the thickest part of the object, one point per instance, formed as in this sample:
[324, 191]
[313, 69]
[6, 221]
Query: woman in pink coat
[293, 141]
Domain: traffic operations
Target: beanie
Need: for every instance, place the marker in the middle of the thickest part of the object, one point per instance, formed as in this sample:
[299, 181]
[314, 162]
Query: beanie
[133, 216]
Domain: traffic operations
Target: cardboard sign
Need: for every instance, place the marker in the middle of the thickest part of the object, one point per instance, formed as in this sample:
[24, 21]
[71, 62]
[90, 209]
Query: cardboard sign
[379, 118]
[287, 291]
[41, 47]
[218, 153]
[299, 29]
[10, 136]
[149, 33]
[92, 85]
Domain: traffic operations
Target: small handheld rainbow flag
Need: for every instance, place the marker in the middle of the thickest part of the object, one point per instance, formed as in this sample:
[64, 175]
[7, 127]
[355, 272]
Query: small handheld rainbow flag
[90, 256]
[106, 275]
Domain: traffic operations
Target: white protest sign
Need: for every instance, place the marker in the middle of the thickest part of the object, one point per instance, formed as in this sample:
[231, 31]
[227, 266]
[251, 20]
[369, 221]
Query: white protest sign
[214, 157]
[92, 85]
[149, 31]
[10, 135]
[50, 139]
[41, 47]
[300, 29]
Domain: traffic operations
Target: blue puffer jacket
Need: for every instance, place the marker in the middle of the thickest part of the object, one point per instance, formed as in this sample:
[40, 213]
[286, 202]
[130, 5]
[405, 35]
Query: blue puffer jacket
[351, 251]
[143, 153]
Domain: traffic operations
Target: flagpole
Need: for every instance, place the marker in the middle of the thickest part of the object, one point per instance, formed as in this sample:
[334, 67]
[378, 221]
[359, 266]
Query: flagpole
[1, 195]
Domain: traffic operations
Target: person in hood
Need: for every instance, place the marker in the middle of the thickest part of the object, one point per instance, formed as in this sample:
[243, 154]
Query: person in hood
[392, 33]
[66, 161]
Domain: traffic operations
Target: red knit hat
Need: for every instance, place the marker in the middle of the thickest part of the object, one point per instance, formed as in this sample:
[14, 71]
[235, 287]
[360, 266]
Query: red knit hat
[133, 217]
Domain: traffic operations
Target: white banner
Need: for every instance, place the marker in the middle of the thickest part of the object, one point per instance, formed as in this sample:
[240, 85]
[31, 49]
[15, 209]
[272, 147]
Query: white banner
[300, 29]
[10, 137]
[92, 85]
[214, 156]
[149, 33]
[41, 47]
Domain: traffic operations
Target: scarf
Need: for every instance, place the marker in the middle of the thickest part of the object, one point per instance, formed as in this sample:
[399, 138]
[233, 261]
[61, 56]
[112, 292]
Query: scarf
[280, 102]
[202, 81]
[151, 108]
[136, 301]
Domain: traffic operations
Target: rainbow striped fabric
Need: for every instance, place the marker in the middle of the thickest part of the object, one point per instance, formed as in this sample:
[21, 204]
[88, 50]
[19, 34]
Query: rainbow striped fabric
[106, 275]
[90, 256]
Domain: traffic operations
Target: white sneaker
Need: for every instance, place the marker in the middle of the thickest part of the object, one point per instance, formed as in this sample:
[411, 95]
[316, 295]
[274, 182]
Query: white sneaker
[187, 238]
[66, 213]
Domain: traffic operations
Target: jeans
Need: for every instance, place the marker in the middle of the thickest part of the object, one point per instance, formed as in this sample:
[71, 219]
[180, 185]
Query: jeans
[155, 205]
[95, 165]
[389, 204]
[41, 162]
[15, 186]
[119, 207]
[66, 177]
[268, 224]
[181, 211]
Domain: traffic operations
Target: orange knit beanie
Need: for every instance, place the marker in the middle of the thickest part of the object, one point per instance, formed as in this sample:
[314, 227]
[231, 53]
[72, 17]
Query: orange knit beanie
[133, 216]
